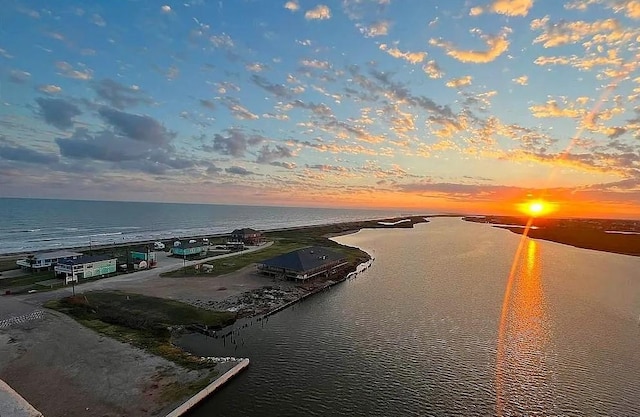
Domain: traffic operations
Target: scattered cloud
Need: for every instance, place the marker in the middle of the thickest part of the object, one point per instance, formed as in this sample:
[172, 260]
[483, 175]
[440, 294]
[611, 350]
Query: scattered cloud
[496, 46]
[24, 154]
[19, 77]
[58, 112]
[235, 143]
[118, 95]
[459, 82]
[67, 70]
[512, 7]
[522, 80]
[165, 9]
[432, 69]
[236, 170]
[137, 127]
[292, 5]
[380, 28]
[50, 89]
[411, 57]
[320, 12]
[267, 154]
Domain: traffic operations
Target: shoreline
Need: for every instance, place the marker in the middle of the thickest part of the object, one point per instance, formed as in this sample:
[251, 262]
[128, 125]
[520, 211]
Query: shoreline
[136, 243]
[620, 237]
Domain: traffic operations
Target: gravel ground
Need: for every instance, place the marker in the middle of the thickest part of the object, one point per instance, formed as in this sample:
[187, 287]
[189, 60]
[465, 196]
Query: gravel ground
[65, 369]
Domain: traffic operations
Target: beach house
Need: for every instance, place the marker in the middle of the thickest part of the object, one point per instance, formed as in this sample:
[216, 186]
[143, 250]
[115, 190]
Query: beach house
[144, 254]
[190, 248]
[246, 236]
[46, 260]
[303, 264]
[86, 266]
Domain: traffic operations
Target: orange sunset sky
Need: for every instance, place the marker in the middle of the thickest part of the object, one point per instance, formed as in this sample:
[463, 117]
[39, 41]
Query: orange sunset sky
[470, 106]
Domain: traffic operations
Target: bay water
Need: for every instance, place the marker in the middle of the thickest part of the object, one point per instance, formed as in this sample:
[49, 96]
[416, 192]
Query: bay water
[451, 319]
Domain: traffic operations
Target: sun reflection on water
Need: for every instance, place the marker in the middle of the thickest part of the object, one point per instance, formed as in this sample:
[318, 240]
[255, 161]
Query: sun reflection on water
[523, 379]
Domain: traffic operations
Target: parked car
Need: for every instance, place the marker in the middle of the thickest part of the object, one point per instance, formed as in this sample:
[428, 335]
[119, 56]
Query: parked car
[158, 245]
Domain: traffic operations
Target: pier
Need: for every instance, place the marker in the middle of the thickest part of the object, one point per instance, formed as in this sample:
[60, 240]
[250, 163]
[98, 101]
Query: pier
[209, 389]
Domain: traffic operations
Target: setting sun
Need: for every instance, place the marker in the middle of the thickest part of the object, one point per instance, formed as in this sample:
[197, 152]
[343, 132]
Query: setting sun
[536, 208]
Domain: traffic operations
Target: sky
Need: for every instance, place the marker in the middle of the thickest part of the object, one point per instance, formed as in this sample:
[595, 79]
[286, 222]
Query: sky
[449, 106]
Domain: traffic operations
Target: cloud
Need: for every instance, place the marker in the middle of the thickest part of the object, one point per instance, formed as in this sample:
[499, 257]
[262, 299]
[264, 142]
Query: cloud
[165, 9]
[236, 170]
[522, 80]
[19, 77]
[102, 147]
[512, 7]
[58, 112]
[24, 154]
[476, 11]
[118, 95]
[570, 32]
[136, 127]
[551, 109]
[97, 20]
[286, 165]
[208, 104]
[50, 89]
[315, 64]
[320, 12]
[496, 46]
[237, 110]
[255, 67]
[459, 82]
[234, 144]
[267, 155]
[432, 69]
[292, 5]
[412, 57]
[380, 28]
[67, 70]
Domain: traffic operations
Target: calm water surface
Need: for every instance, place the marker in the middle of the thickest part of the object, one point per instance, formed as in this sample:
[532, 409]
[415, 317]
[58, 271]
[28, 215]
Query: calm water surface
[436, 327]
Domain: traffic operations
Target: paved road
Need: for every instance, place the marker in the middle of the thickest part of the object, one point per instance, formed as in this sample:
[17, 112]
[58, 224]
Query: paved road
[166, 263]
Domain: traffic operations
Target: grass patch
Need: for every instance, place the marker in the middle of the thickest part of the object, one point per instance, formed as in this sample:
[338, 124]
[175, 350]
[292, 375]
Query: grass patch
[141, 321]
[8, 264]
[175, 391]
[25, 280]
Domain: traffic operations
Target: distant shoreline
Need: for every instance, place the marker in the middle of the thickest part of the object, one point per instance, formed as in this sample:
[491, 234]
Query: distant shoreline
[612, 236]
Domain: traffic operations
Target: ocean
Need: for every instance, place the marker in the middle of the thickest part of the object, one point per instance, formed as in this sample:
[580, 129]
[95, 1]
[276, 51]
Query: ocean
[435, 327]
[36, 224]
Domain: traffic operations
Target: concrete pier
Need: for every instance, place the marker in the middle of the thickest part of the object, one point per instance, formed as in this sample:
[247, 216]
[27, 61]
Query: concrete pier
[12, 404]
[209, 389]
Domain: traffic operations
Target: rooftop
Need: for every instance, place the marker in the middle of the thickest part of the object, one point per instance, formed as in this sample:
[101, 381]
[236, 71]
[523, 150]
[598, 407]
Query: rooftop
[245, 231]
[85, 259]
[305, 259]
[56, 254]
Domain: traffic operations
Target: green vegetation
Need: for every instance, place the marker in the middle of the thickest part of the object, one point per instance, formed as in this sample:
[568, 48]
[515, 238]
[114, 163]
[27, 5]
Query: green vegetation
[26, 281]
[176, 391]
[8, 264]
[141, 321]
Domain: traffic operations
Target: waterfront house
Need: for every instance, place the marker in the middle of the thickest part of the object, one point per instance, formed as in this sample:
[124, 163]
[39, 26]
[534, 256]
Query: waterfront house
[304, 264]
[190, 248]
[86, 266]
[46, 260]
[246, 236]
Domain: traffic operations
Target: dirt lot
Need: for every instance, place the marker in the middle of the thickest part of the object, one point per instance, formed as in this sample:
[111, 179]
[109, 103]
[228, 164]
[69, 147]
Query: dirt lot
[65, 369]
[203, 289]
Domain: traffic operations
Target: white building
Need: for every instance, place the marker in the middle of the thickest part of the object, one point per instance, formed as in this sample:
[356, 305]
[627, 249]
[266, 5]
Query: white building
[86, 267]
[46, 260]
